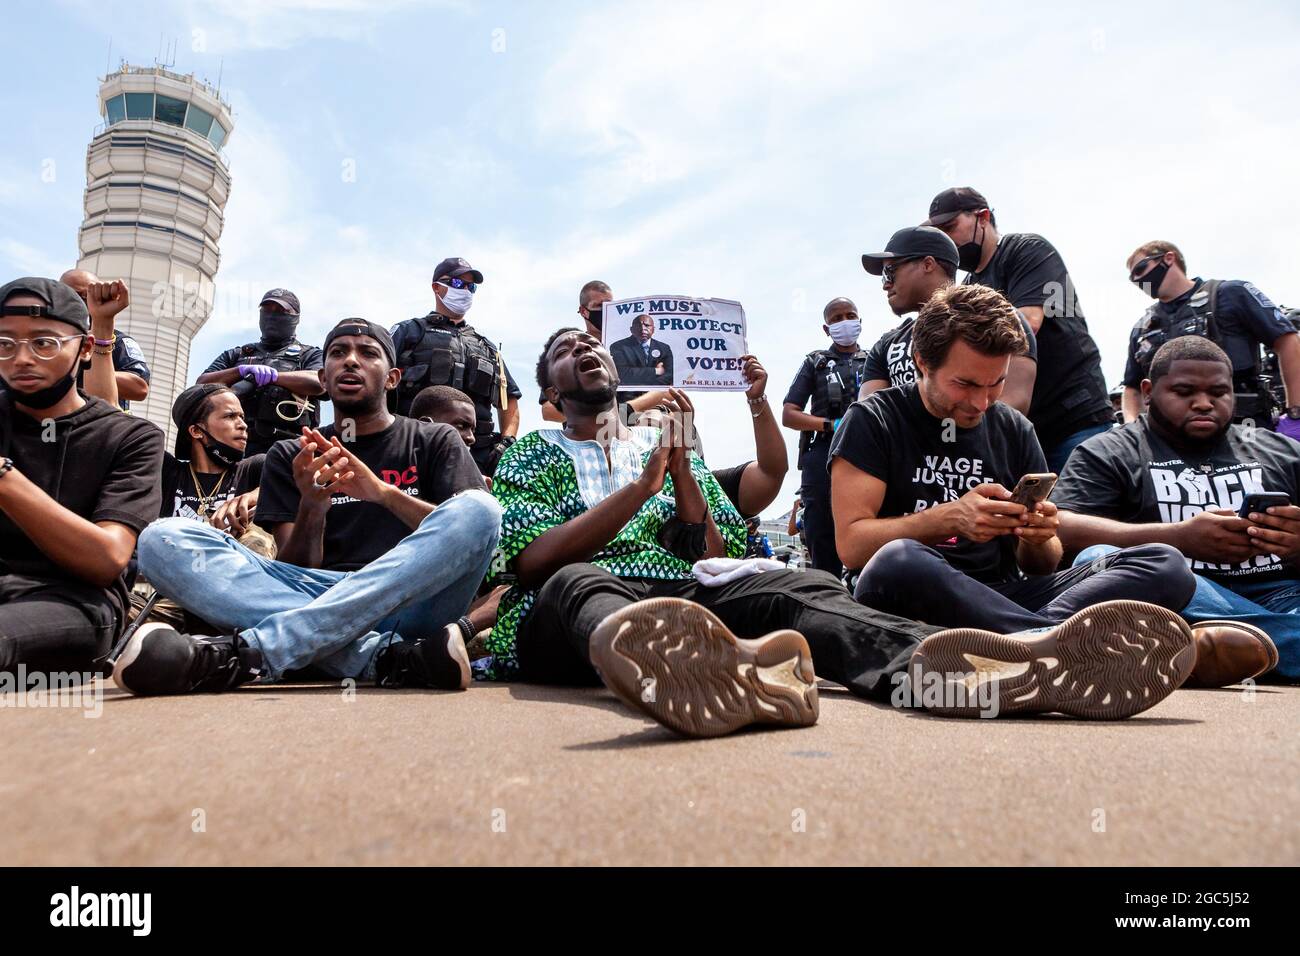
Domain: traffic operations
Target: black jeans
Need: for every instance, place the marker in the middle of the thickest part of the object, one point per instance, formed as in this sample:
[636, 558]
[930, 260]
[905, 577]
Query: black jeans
[851, 644]
[909, 578]
[53, 625]
[818, 521]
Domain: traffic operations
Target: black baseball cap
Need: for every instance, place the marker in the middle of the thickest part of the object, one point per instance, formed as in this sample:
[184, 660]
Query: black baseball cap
[188, 401]
[949, 203]
[912, 242]
[455, 268]
[61, 301]
[364, 327]
[284, 299]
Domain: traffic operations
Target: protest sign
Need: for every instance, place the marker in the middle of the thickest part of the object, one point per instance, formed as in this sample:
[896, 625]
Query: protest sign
[662, 341]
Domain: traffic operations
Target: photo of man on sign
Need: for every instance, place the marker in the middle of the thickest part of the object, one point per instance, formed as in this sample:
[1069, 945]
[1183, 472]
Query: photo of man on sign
[677, 342]
[640, 358]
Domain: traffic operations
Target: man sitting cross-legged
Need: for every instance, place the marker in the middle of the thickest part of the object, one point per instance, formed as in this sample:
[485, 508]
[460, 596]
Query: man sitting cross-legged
[920, 479]
[602, 527]
[383, 530]
[1180, 474]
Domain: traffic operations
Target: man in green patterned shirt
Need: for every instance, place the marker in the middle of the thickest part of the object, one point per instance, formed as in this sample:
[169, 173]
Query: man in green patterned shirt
[602, 524]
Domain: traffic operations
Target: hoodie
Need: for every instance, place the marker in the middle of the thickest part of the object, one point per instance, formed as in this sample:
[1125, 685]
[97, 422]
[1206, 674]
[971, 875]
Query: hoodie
[98, 462]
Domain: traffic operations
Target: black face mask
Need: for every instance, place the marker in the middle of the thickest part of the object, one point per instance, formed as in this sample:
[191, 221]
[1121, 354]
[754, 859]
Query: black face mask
[277, 327]
[48, 396]
[969, 253]
[227, 456]
[1150, 283]
[596, 316]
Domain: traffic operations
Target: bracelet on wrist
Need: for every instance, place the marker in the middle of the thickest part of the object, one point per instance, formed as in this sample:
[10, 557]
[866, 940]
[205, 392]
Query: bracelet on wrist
[107, 343]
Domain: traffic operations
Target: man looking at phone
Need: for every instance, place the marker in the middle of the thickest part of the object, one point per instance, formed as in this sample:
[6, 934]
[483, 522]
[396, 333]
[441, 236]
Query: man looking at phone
[920, 485]
[1180, 474]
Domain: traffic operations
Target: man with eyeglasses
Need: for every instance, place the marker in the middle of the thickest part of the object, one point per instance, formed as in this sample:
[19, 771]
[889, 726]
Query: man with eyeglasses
[441, 348]
[276, 377]
[78, 483]
[1069, 403]
[830, 378]
[917, 262]
[1233, 314]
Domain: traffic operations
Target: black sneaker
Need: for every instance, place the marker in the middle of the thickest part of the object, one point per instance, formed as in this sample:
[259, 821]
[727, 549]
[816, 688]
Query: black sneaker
[160, 660]
[439, 662]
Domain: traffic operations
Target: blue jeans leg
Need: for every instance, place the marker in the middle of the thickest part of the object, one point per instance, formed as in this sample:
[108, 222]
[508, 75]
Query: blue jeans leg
[422, 584]
[1272, 606]
[1058, 454]
[212, 575]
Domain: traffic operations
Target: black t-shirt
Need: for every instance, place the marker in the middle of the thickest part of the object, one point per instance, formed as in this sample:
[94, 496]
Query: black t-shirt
[1244, 319]
[890, 359]
[1133, 475]
[180, 499]
[426, 461]
[892, 436]
[1070, 390]
[101, 464]
[811, 382]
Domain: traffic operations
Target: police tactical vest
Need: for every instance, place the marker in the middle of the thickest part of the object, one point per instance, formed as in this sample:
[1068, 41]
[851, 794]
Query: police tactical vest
[836, 380]
[1196, 316]
[455, 356]
[270, 411]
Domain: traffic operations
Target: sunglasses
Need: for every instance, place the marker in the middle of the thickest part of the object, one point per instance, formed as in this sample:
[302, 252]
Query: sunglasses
[1138, 271]
[460, 284]
[890, 269]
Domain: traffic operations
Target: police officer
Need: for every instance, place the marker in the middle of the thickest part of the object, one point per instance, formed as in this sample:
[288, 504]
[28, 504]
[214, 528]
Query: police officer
[442, 349]
[130, 370]
[831, 378]
[1233, 314]
[275, 377]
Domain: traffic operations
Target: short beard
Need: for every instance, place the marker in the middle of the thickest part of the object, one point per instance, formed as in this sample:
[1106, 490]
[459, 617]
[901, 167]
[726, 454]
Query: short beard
[365, 405]
[594, 398]
[1179, 438]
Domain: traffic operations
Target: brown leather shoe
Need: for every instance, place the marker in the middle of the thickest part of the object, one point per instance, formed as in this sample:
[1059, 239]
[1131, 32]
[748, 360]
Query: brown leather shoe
[1229, 652]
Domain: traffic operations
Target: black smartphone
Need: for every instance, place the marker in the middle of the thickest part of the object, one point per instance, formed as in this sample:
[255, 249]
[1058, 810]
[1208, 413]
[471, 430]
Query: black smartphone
[1262, 500]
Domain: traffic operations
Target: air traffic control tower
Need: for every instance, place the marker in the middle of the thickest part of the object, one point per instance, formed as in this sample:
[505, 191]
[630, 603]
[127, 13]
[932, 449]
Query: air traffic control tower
[156, 185]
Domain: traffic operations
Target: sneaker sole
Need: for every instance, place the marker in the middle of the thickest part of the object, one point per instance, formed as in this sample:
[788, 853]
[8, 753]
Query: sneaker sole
[1260, 635]
[134, 647]
[674, 661]
[1106, 662]
[459, 654]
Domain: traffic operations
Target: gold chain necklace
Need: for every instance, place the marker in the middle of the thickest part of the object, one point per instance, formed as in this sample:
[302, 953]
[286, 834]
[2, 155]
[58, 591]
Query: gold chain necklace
[205, 501]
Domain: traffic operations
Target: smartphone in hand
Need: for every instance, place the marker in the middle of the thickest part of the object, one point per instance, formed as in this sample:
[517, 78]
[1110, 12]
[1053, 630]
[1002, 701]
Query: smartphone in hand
[1259, 502]
[1033, 488]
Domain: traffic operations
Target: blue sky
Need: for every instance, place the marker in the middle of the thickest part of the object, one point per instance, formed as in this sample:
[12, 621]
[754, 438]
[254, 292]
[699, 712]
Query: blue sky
[748, 150]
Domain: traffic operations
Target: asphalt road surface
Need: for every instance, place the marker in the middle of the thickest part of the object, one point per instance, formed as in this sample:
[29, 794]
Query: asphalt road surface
[311, 774]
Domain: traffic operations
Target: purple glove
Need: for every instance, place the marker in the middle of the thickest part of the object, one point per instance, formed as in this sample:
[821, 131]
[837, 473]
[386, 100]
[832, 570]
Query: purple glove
[261, 374]
[1290, 427]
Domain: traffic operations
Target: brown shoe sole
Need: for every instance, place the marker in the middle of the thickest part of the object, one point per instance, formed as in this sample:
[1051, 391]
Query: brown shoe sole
[676, 662]
[1106, 662]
